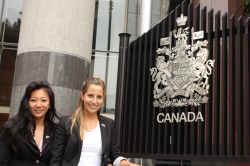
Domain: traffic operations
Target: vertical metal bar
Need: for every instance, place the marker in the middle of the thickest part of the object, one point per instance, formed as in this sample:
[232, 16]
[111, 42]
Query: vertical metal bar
[216, 106]
[108, 48]
[163, 25]
[208, 147]
[122, 135]
[239, 82]
[154, 126]
[194, 126]
[171, 27]
[247, 76]
[95, 24]
[123, 51]
[176, 128]
[231, 86]
[204, 21]
[161, 127]
[202, 107]
[223, 147]
[197, 17]
[137, 94]
[167, 130]
[187, 138]
[193, 138]
[149, 108]
[130, 98]
[94, 38]
[184, 7]
[143, 93]
[1, 16]
[187, 128]
[5, 4]
[190, 17]
[180, 138]
[197, 125]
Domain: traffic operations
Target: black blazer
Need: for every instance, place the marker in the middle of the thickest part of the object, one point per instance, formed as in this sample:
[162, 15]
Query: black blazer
[28, 153]
[67, 146]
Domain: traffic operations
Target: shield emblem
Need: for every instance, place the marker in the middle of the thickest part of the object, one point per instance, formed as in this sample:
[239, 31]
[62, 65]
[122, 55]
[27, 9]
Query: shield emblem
[184, 73]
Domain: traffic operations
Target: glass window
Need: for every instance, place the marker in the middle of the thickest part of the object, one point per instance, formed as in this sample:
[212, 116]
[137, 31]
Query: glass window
[7, 68]
[109, 22]
[169, 5]
[2, 15]
[12, 21]
[105, 66]
[10, 15]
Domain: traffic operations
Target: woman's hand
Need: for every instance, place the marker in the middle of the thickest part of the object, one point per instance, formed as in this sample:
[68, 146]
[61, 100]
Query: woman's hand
[127, 163]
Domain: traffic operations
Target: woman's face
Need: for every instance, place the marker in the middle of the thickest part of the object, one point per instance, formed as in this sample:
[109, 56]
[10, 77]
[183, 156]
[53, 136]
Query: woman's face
[92, 99]
[39, 103]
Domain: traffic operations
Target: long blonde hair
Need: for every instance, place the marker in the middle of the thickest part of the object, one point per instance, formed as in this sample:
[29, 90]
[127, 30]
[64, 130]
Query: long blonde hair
[78, 117]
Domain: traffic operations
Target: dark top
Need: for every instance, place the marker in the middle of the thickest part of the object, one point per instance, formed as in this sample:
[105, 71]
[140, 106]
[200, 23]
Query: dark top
[67, 146]
[28, 153]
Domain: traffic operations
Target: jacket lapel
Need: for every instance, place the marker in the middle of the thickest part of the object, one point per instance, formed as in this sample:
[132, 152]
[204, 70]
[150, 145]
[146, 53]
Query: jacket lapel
[103, 132]
[32, 140]
[47, 135]
[79, 138]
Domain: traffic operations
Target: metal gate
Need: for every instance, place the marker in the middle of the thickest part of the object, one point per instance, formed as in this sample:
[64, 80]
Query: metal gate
[224, 133]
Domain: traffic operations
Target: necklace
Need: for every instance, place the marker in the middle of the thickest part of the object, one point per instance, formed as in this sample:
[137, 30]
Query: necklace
[89, 129]
[91, 125]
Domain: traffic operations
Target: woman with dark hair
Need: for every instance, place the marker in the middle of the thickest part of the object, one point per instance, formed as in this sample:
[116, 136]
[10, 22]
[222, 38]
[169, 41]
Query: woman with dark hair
[25, 139]
[87, 138]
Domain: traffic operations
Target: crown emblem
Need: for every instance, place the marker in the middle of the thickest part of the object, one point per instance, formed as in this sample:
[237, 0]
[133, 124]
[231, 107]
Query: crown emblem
[181, 21]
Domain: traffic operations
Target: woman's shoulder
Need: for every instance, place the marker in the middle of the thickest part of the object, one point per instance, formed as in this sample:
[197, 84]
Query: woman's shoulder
[106, 119]
[8, 125]
[65, 120]
[9, 128]
[65, 117]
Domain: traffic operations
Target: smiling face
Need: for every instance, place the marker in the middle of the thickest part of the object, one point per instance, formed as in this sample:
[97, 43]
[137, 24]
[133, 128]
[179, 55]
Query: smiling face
[39, 103]
[92, 99]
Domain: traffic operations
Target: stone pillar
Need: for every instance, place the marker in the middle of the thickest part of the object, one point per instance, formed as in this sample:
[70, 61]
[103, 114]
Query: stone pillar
[55, 44]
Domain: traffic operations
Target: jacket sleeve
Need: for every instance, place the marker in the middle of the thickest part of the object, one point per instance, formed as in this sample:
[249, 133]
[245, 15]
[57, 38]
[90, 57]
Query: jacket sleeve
[59, 142]
[5, 153]
[114, 150]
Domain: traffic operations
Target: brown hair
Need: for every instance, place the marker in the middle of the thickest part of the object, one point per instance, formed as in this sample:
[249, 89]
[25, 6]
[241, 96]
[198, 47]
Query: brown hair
[78, 117]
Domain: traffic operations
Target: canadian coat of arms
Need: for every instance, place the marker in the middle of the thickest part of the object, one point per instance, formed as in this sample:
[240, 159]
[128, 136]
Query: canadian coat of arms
[182, 71]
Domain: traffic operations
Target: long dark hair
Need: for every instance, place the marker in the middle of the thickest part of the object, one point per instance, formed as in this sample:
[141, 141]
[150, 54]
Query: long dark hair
[23, 123]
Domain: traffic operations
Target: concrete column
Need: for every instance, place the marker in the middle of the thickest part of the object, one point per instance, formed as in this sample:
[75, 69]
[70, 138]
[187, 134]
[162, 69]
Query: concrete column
[145, 16]
[55, 44]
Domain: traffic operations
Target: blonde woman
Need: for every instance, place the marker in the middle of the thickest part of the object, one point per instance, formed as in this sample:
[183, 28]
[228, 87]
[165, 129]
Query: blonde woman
[87, 138]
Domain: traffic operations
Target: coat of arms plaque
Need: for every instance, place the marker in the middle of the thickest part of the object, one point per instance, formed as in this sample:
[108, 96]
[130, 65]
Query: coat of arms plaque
[182, 71]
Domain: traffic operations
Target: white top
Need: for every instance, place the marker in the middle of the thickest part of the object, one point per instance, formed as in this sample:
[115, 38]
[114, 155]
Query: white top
[91, 154]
